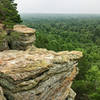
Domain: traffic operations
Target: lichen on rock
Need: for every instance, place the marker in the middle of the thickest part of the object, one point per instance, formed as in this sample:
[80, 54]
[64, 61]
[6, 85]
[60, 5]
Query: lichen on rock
[38, 74]
[2, 94]
[23, 29]
[19, 38]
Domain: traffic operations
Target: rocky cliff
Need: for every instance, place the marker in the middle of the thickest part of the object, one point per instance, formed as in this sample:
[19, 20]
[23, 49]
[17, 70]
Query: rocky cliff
[37, 74]
[20, 38]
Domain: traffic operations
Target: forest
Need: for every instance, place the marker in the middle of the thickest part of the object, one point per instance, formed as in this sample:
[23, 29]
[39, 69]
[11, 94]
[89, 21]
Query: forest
[60, 32]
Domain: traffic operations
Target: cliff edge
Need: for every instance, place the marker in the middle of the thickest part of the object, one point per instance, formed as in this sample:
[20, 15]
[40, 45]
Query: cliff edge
[37, 74]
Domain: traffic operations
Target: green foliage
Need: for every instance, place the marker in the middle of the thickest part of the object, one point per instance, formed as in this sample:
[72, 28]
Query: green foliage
[8, 13]
[61, 32]
[68, 32]
[11, 41]
[2, 41]
[93, 76]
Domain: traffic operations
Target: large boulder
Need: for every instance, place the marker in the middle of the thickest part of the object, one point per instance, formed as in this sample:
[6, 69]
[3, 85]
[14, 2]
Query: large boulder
[34, 74]
[19, 38]
[28, 34]
[38, 74]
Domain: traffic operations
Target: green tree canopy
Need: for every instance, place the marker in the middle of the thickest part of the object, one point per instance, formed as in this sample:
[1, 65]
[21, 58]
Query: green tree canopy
[8, 13]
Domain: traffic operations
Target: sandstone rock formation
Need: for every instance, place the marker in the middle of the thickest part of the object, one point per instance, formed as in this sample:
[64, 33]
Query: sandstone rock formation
[20, 38]
[24, 29]
[37, 74]
[27, 34]
[1, 27]
[2, 94]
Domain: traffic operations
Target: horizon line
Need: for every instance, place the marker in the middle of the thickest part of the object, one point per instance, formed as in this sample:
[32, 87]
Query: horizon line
[58, 13]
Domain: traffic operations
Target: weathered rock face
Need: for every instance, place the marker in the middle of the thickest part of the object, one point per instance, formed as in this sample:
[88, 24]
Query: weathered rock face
[27, 34]
[2, 94]
[38, 74]
[1, 27]
[23, 29]
[34, 74]
[20, 38]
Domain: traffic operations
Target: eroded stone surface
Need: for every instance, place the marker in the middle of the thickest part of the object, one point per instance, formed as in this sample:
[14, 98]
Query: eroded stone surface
[20, 37]
[24, 29]
[27, 35]
[38, 74]
[1, 26]
[2, 94]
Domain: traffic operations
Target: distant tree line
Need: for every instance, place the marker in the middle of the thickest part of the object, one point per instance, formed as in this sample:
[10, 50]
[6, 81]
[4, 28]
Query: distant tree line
[73, 33]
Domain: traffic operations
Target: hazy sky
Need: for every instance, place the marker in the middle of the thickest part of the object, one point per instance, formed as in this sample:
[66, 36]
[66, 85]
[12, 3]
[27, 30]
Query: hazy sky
[58, 6]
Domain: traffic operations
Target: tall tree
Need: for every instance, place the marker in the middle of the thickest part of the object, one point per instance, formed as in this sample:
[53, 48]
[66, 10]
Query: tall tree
[8, 13]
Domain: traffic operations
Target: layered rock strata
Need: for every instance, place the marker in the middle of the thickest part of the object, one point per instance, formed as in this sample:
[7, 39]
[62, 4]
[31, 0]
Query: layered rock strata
[30, 73]
[27, 34]
[19, 38]
[38, 74]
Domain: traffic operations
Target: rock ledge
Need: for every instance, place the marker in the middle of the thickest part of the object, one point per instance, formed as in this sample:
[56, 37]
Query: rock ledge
[38, 74]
